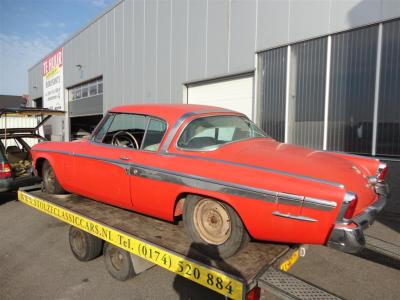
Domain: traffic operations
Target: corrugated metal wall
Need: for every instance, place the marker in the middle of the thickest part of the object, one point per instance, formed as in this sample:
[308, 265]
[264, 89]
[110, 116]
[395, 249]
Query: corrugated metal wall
[352, 86]
[272, 92]
[389, 98]
[307, 93]
[146, 50]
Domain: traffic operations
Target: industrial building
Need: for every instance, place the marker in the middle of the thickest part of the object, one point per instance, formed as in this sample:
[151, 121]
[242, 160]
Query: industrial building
[324, 74]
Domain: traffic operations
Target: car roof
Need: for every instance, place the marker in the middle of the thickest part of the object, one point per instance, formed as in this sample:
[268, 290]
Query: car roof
[169, 112]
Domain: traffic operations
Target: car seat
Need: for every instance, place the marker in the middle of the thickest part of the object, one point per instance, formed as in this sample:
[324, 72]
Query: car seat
[14, 154]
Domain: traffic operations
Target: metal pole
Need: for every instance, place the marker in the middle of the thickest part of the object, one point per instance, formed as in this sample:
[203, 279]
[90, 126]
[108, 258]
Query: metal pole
[377, 83]
[327, 82]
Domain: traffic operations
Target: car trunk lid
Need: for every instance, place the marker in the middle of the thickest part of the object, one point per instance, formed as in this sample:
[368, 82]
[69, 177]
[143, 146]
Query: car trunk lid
[44, 113]
[268, 153]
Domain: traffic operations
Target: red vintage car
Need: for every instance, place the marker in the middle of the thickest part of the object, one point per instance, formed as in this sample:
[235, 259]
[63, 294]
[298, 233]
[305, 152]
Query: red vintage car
[221, 173]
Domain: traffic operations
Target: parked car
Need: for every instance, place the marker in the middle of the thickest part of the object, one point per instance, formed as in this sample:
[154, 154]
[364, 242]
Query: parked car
[15, 148]
[227, 178]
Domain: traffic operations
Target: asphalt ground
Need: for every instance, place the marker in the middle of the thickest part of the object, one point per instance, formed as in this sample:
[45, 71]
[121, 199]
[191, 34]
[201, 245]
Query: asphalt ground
[36, 262]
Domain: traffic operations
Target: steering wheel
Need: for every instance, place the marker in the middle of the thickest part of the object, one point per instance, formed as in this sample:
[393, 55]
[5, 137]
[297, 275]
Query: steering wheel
[124, 139]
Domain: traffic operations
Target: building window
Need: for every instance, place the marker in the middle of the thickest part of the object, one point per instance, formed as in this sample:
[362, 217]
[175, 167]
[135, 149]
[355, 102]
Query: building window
[352, 86]
[271, 88]
[93, 89]
[100, 86]
[85, 90]
[307, 93]
[388, 141]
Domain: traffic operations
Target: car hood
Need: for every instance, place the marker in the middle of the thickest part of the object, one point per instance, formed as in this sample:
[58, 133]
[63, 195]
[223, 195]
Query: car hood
[268, 153]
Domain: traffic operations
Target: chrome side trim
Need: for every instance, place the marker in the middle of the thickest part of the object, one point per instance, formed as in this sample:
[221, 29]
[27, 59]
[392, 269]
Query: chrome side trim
[290, 199]
[323, 181]
[288, 216]
[179, 122]
[53, 151]
[202, 183]
[319, 204]
[205, 183]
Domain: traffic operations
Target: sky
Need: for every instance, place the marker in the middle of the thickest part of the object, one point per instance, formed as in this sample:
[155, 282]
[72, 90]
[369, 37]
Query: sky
[30, 29]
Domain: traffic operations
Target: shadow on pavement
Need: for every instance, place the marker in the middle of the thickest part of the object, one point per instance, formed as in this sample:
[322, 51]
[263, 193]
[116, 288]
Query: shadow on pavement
[188, 289]
[390, 217]
[7, 197]
[380, 258]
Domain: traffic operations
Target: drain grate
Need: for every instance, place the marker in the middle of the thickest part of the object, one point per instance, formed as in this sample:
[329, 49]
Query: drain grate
[287, 286]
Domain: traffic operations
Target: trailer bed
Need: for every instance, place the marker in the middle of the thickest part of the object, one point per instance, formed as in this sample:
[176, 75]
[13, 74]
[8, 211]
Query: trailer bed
[160, 242]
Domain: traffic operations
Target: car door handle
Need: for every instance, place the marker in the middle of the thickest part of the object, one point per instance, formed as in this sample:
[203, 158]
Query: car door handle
[124, 158]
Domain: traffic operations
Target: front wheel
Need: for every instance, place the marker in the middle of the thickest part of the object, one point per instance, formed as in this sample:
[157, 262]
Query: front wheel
[50, 182]
[214, 226]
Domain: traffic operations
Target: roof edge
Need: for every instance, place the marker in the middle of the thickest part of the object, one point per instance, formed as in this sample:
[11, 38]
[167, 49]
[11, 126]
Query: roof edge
[72, 36]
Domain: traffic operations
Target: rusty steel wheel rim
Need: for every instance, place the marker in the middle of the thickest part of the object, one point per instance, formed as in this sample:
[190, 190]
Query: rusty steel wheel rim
[51, 177]
[116, 258]
[212, 222]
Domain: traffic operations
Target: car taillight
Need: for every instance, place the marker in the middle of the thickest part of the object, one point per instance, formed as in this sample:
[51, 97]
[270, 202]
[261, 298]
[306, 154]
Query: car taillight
[254, 294]
[5, 170]
[382, 170]
[351, 207]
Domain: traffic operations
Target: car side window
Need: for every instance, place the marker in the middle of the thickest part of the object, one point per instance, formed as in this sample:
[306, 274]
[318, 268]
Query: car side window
[126, 130]
[154, 134]
[102, 131]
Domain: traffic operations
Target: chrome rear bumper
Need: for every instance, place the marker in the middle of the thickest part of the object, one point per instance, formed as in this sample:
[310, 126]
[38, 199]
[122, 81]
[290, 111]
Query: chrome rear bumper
[349, 237]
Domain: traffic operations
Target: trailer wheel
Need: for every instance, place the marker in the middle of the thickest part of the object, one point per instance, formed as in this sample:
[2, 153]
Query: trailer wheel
[50, 182]
[118, 262]
[214, 226]
[83, 245]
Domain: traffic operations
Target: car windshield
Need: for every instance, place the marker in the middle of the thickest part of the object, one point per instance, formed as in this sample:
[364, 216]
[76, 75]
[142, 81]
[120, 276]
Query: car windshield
[209, 133]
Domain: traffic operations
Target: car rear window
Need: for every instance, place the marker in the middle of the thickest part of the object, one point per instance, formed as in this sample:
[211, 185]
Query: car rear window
[209, 133]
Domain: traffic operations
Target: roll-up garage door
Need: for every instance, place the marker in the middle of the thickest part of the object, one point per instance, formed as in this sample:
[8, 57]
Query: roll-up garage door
[235, 94]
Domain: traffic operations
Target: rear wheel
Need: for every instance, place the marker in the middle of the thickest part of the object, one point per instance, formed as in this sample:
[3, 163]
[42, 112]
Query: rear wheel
[118, 262]
[214, 226]
[50, 182]
[83, 245]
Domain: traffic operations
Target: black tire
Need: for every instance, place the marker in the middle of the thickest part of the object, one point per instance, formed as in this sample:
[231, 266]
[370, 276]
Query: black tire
[235, 239]
[84, 246]
[118, 262]
[50, 181]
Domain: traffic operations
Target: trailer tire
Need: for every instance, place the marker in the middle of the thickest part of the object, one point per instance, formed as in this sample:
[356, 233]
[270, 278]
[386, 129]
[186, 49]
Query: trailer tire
[84, 246]
[50, 181]
[118, 262]
[214, 227]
